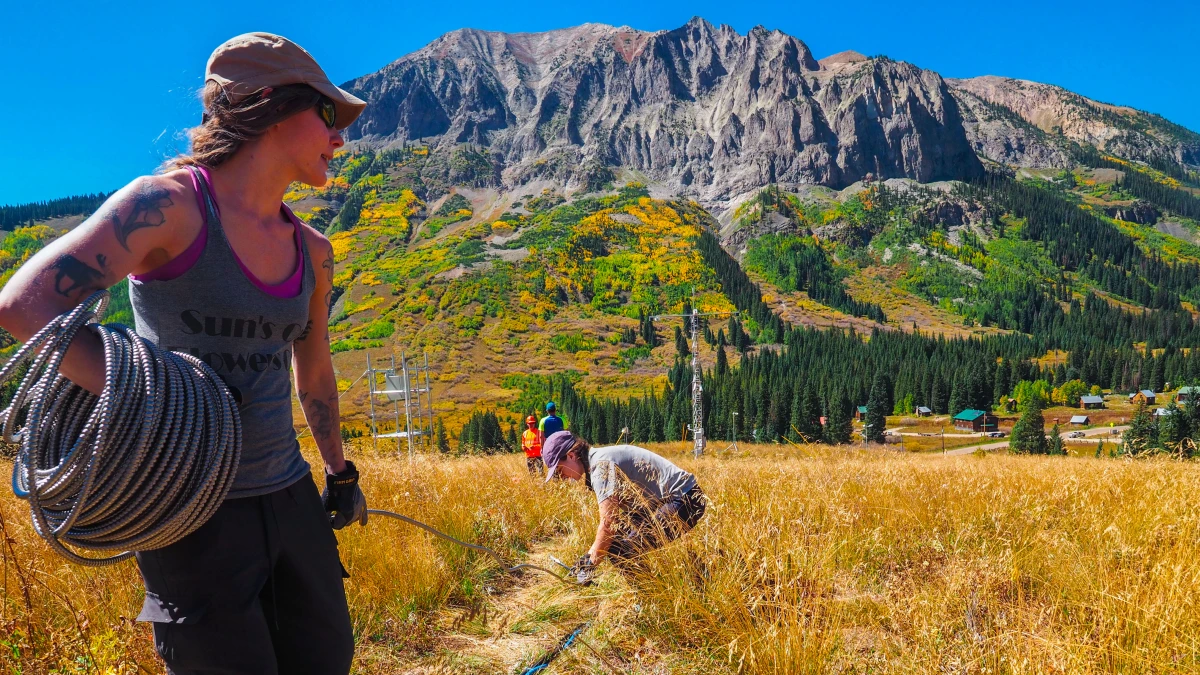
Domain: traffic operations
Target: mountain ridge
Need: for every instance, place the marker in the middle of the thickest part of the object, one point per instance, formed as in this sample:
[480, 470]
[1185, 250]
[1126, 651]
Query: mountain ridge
[703, 109]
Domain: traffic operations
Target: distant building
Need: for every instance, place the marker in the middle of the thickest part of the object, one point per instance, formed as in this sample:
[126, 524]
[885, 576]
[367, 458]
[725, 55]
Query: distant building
[976, 420]
[860, 413]
[1091, 402]
[922, 411]
[1187, 393]
[1162, 412]
[1080, 419]
[1144, 396]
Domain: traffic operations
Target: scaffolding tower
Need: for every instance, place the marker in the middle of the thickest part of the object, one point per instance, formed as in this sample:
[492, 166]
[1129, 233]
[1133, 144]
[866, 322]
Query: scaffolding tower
[407, 386]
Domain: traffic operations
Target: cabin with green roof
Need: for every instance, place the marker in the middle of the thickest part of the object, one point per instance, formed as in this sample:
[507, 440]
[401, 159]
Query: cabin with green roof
[979, 421]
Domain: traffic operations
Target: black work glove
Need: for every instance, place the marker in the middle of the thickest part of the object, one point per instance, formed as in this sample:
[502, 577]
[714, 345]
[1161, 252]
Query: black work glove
[584, 570]
[344, 501]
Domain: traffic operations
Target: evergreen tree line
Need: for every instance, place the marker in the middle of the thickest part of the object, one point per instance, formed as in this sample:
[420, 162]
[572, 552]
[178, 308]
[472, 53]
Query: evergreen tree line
[1165, 197]
[1074, 237]
[12, 217]
[1145, 187]
[482, 434]
[799, 264]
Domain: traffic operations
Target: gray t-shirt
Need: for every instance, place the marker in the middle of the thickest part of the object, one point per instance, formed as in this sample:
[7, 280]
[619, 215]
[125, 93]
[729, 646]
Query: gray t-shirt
[615, 467]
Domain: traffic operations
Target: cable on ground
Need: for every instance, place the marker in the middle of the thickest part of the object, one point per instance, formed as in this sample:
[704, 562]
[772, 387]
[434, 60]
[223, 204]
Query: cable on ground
[475, 547]
[544, 662]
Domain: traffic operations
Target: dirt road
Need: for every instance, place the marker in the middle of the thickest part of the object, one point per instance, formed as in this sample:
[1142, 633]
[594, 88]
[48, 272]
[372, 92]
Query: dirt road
[1088, 434]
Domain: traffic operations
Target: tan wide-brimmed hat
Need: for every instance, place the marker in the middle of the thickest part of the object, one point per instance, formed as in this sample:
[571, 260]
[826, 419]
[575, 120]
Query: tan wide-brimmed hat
[254, 61]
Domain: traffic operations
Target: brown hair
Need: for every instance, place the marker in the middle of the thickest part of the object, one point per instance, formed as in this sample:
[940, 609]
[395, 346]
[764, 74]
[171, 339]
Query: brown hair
[226, 126]
[582, 448]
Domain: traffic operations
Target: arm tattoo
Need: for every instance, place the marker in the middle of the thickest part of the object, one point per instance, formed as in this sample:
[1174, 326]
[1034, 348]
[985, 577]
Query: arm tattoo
[72, 275]
[327, 265]
[304, 333]
[320, 415]
[148, 204]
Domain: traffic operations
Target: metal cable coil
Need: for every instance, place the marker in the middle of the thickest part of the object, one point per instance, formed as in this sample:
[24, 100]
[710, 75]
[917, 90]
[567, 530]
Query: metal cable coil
[137, 468]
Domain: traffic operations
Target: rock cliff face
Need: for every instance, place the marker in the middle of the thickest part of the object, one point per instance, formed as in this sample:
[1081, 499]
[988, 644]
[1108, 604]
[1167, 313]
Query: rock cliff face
[704, 110]
[1000, 135]
[1119, 130]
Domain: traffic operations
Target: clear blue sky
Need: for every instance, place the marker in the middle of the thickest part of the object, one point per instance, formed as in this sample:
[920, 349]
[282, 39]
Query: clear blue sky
[100, 92]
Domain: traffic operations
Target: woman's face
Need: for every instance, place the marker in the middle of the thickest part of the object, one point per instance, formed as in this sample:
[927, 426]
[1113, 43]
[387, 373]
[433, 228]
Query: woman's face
[307, 145]
[570, 467]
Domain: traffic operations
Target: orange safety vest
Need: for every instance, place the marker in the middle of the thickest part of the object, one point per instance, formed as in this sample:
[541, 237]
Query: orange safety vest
[531, 443]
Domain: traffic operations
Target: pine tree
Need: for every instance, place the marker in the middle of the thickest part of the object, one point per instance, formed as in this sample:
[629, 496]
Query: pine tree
[1156, 375]
[956, 404]
[1142, 435]
[811, 418]
[439, 435]
[936, 402]
[681, 343]
[1001, 384]
[838, 427]
[722, 367]
[796, 420]
[1029, 433]
[1056, 446]
[512, 441]
[877, 409]
[1173, 429]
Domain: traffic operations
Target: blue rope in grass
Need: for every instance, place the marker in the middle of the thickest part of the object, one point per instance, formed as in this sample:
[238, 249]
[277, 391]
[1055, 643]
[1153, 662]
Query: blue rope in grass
[544, 662]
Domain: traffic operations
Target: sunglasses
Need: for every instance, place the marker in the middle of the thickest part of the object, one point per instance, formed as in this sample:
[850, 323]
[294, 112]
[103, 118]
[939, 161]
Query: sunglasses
[328, 111]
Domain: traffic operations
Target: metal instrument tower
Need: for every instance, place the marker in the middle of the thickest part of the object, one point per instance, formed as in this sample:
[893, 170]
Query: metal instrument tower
[697, 425]
[401, 385]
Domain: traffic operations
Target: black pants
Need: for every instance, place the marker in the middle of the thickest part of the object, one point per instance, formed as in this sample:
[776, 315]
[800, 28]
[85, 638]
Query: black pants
[257, 589]
[641, 530]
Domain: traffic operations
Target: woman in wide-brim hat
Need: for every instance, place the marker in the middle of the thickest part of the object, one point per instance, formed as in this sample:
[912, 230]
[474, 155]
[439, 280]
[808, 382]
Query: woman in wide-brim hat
[219, 267]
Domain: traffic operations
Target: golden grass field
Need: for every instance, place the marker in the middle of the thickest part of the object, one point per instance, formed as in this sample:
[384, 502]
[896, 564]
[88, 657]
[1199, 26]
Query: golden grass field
[815, 560]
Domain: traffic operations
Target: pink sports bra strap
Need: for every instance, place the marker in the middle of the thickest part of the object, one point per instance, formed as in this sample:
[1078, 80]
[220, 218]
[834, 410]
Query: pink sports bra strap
[183, 262]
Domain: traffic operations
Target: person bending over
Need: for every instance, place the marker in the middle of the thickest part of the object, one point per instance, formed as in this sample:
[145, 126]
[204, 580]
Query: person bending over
[220, 268]
[645, 501]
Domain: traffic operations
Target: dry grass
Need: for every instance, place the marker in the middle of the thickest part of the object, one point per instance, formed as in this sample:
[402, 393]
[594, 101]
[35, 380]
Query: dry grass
[809, 560]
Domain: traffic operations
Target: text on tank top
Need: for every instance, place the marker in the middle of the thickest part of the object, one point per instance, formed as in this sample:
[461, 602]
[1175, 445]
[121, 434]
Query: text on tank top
[215, 311]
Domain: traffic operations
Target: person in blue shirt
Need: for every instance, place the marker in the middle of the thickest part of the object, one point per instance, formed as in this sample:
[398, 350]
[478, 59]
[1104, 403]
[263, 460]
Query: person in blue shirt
[551, 424]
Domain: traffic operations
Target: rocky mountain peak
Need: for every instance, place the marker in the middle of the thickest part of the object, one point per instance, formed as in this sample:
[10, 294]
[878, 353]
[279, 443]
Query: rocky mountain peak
[704, 110]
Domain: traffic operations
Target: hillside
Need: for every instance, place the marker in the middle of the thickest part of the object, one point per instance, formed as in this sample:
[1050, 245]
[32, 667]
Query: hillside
[498, 285]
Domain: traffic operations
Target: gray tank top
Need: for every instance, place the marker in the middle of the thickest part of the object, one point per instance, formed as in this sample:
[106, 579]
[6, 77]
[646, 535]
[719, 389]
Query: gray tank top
[216, 313]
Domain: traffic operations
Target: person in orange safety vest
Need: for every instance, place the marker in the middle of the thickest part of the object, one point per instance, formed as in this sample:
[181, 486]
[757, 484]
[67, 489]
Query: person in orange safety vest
[531, 443]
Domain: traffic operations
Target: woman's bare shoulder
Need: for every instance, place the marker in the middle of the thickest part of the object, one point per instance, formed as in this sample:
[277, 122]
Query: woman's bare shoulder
[165, 203]
[317, 243]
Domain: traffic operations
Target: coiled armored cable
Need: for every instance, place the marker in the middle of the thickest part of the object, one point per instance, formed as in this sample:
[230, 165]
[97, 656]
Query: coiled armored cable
[136, 468]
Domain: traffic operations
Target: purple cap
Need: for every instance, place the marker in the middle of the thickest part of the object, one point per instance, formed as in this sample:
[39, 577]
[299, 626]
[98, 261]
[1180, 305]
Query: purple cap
[555, 448]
